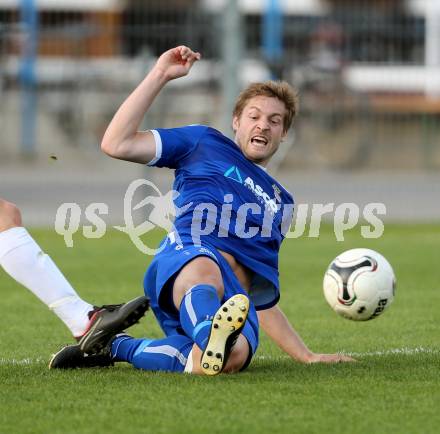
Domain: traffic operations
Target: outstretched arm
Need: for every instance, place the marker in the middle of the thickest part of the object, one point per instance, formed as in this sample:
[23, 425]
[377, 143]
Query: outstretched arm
[122, 139]
[277, 327]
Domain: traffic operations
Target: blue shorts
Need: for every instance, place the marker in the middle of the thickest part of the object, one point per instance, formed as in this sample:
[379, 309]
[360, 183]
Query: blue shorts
[159, 280]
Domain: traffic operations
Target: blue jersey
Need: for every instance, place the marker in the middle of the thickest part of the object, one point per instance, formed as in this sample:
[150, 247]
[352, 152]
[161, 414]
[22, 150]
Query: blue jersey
[227, 202]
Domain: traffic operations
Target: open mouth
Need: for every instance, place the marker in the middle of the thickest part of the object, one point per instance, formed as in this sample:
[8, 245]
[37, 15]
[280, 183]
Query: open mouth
[259, 140]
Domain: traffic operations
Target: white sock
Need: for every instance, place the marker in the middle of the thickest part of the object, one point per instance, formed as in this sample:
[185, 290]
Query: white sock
[24, 261]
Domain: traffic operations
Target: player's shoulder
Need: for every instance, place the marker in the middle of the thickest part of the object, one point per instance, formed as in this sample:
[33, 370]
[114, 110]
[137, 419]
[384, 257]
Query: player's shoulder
[196, 129]
[219, 138]
[280, 189]
[213, 132]
[192, 129]
[182, 130]
[213, 138]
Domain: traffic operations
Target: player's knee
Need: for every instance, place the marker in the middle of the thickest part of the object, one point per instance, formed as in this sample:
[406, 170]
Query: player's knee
[200, 271]
[238, 357]
[10, 215]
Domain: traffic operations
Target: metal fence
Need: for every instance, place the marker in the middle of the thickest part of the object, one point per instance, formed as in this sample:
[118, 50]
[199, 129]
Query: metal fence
[368, 72]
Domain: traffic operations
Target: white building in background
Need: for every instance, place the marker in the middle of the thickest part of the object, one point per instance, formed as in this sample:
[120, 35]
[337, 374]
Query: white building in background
[367, 77]
[303, 7]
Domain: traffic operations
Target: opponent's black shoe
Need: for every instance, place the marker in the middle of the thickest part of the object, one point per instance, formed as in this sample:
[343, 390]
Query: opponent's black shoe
[91, 315]
[72, 357]
[227, 324]
[107, 322]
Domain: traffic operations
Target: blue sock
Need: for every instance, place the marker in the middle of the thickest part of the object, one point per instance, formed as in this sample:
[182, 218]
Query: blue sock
[168, 354]
[197, 309]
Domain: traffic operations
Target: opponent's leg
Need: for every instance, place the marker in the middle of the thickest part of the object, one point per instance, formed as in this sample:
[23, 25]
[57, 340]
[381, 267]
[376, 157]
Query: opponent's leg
[22, 258]
[24, 261]
[108, 323]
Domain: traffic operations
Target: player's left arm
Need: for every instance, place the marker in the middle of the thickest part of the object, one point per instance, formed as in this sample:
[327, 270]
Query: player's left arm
[276, 325]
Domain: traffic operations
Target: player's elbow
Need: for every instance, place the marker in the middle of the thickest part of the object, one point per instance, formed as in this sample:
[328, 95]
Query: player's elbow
[110, 148]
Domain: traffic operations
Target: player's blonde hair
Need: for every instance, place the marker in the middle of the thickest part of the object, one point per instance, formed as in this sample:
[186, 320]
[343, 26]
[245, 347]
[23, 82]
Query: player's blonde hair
[275, 89]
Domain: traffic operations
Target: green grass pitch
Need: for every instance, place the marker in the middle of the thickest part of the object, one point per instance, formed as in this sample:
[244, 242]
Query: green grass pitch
[394, 388]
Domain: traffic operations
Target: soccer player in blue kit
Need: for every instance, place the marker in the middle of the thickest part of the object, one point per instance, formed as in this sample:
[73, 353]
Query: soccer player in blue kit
[215, 280]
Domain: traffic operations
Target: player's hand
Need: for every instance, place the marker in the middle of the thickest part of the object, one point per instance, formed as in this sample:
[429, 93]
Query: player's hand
[330, 358]
[177, 62]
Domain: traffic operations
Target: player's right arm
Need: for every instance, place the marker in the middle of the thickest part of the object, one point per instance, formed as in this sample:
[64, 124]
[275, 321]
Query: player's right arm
[122, 139]
[278, 328]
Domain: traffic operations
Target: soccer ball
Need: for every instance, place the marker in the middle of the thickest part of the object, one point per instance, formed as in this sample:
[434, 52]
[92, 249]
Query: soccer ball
[359, 284]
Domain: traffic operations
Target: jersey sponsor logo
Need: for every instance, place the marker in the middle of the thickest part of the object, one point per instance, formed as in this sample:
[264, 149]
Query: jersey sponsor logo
[262, 196]
[271, 204]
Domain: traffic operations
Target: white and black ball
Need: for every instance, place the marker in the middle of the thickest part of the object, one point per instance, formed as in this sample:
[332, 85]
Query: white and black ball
[359, 284]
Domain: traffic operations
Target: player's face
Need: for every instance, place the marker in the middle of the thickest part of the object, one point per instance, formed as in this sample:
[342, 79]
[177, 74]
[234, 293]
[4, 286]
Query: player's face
[259, 129]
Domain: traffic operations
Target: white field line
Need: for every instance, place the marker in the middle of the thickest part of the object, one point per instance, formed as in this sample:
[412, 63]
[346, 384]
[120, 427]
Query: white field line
[405, 351]
[22, 362]
[400, 351]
